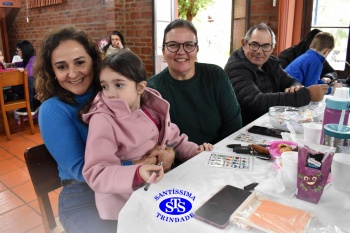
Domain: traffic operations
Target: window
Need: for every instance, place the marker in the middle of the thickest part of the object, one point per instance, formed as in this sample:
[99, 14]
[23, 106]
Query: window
[164, 13]
[330, 16]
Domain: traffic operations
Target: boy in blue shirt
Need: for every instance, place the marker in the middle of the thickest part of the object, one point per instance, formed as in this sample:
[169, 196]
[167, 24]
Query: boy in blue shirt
[307, 67]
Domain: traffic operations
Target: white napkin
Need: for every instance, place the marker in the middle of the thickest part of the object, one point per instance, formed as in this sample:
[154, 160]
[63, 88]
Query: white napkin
[272, 184]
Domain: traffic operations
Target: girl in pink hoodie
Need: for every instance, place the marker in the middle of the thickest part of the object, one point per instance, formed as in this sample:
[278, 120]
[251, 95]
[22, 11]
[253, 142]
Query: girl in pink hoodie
[126, 120]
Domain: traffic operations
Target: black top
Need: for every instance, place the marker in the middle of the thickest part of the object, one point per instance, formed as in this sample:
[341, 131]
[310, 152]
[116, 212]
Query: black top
[259, 89]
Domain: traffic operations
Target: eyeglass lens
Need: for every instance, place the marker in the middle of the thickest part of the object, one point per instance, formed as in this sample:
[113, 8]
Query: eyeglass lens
[256, 46]
[173, 47]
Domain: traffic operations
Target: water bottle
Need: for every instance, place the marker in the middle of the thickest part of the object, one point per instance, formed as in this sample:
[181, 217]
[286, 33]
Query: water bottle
[336, 112]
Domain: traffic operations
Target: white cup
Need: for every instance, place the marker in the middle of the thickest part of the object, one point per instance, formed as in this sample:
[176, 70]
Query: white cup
[342, 92]
[312, 132]
[290, 168]
[340, 171]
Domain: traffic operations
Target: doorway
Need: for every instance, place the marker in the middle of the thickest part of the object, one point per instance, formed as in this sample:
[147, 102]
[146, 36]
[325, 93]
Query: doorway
[213, 28]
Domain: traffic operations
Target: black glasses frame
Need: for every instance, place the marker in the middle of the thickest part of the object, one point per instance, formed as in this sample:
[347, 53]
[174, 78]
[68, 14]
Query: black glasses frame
[265, 49]
[179, 45]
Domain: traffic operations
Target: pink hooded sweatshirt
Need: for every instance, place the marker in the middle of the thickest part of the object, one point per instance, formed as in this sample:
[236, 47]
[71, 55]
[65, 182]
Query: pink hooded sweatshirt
[116, 134]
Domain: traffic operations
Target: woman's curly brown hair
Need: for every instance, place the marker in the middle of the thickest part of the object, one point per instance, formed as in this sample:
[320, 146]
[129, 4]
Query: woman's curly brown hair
[46, 85]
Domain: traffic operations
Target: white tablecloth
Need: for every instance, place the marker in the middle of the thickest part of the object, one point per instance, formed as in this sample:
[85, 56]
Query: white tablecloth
[142, 214]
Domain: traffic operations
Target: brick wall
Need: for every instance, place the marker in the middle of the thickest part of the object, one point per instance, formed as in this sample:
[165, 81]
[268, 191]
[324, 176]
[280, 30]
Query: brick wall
[97, 17]
[264, 11]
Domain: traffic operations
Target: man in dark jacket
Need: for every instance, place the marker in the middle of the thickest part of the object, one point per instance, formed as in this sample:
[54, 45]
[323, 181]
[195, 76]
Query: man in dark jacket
[260, 82]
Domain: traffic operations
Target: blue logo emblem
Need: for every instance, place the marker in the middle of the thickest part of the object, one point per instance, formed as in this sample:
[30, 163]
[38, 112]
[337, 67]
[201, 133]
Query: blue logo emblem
[175, 206]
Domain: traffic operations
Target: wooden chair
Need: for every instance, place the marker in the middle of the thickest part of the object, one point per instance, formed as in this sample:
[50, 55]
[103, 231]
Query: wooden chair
[43, 171]
[13, 78]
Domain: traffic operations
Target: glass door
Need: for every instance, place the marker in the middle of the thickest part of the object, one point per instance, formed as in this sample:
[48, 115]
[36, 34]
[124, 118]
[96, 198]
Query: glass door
[164, 12]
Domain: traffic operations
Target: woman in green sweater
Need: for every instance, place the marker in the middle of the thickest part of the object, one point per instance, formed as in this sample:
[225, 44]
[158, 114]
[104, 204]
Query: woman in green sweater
[202, 101]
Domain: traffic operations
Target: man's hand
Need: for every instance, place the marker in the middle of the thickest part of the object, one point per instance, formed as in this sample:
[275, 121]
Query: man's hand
[317, 92]
[293, 89]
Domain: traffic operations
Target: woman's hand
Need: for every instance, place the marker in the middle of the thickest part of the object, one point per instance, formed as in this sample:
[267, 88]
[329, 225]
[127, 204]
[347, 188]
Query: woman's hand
[147, 170]
[204, 147]
[148, 159]
[166, 156]
[119, 45]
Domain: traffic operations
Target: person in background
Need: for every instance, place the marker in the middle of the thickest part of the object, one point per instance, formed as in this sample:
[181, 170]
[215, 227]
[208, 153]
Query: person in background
[2, 61]
[260, 82]
[126, 120]
[202, 101]
[288, 55]
[27, 52]
[103, 42]
[307, 68]
[116, 43]
[3, 64]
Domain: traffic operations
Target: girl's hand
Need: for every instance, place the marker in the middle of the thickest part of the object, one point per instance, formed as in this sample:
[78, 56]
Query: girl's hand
[20, 69]
[204, 147]
[146, 172]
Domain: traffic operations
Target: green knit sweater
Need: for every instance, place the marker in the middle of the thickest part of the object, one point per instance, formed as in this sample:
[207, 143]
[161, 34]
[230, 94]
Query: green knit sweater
[204, 107]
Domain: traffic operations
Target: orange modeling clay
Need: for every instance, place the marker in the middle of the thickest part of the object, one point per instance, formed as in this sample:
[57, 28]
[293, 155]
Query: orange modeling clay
[274, 217]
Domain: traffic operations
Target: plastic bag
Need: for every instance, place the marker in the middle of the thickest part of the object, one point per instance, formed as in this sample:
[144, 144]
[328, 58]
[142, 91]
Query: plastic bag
[281, 115]
[269, 216]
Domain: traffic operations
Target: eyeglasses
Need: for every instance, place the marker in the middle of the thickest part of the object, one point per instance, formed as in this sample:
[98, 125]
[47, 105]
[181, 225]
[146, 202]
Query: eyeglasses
[18, 50]
[173, 47]
[255, 47]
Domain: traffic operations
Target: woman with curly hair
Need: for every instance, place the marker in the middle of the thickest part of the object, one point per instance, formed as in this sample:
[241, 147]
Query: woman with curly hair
[66, 79]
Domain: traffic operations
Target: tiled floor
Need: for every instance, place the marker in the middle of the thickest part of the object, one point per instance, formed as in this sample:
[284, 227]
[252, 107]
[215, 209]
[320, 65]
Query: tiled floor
[19, 209]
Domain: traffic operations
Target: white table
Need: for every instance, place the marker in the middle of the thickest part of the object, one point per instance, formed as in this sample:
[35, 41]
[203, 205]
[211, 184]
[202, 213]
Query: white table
[202, 181]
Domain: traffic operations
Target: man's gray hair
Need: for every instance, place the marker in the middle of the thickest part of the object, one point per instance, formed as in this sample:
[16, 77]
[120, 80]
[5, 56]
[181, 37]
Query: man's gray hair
[260, 27]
